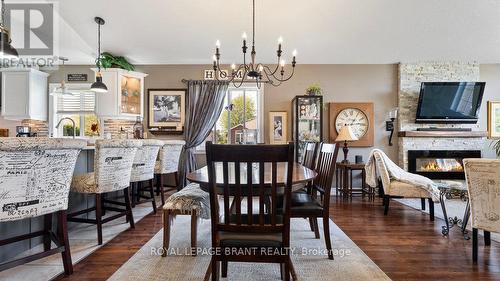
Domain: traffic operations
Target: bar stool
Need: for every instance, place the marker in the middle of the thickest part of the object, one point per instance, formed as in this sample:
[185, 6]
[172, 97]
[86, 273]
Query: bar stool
[36, 176]
[168, 163]
[112, 169]
[143, 170]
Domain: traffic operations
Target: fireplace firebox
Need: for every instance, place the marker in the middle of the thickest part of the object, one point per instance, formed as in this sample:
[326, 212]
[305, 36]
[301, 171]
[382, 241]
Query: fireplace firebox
[439, 164]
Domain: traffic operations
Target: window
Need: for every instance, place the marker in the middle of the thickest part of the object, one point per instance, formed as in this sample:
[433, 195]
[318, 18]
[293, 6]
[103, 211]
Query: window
[241, 120]
[78, 105]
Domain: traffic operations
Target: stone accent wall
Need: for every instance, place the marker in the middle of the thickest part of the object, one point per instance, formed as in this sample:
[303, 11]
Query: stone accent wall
[39, 127]
[411, 75]
[406, 144]
[113, 126]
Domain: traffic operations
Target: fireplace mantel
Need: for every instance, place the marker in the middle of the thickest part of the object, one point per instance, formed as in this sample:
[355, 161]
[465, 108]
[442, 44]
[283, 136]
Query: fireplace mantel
[442, 134]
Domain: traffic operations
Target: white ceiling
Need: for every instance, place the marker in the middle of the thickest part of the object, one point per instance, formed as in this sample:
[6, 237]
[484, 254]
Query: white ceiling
[323, 31]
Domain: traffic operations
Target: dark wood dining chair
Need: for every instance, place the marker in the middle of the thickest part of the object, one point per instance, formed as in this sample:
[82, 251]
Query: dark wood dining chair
[309, 157]
[316, 203]
[249, 171]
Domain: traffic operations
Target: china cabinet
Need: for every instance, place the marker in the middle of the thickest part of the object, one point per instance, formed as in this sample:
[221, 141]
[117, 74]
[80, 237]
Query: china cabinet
[24, 94]
[307, 122]
[125, 96]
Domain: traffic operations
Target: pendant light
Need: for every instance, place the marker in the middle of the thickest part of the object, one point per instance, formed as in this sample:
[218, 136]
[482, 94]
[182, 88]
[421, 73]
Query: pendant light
[98, 86]
[6, 49]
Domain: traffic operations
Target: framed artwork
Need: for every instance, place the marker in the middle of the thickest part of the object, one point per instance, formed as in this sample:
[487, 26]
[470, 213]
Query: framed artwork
[358, 115]
[494, 119]
[166, 109]
[278, 123]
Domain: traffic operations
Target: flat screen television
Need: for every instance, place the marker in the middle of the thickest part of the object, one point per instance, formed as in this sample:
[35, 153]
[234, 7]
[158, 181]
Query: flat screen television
[450, 102]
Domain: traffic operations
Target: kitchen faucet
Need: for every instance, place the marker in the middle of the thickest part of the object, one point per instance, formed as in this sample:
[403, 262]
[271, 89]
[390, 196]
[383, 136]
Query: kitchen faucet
[72, 121]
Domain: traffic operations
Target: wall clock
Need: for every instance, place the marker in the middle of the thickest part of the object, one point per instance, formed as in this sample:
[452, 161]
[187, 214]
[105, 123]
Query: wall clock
[359, 116]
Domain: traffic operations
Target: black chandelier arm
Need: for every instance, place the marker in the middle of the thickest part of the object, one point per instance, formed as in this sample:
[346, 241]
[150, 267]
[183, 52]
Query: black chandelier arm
[283, 79]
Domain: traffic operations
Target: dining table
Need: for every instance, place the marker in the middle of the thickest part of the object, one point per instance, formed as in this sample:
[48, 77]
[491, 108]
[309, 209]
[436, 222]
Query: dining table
[301, 175]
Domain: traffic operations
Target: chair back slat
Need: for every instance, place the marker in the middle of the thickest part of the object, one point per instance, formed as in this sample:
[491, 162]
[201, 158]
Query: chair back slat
[273, 194]
[250, 192]
[227, 212]
[237, 197]
[327, 159]
[237, 183]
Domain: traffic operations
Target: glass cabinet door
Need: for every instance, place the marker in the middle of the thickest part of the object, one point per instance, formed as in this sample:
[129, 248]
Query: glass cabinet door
[130, 95]
[308, 118]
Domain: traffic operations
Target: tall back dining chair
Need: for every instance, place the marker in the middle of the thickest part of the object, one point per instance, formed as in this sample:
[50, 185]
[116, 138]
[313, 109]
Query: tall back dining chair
[483, 183]
[113, 161]
[309, 156]
[247, 217]
[316, 203]
[143, 172]
[35, 180]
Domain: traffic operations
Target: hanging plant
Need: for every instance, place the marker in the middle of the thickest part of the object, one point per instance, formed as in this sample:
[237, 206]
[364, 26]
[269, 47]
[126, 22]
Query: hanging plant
[109, 61]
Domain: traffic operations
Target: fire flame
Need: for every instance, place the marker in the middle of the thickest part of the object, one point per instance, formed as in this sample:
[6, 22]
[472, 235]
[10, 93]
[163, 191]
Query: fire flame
[433, 166]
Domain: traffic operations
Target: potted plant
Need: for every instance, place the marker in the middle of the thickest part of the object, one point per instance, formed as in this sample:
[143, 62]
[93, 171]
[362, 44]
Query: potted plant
[110, 61]
[314, 90]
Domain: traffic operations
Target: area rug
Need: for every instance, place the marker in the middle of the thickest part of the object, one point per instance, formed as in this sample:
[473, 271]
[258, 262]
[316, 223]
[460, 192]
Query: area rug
[309, 258]
[454, 208]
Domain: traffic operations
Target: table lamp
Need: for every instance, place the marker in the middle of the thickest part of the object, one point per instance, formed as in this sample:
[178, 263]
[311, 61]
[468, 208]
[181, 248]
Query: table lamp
[346, 135]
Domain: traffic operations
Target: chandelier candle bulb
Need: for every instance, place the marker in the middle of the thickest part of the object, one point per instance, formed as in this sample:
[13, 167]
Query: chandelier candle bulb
[217, 44]
[244, 36]
[233, 66]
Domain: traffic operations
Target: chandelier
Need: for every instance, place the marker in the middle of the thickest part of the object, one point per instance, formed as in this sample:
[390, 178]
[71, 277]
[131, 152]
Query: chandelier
[252, 71]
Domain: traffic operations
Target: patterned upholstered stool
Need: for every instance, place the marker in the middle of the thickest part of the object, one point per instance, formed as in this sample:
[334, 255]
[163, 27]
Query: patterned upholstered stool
[191, 200]
[143, 170]
[112, 169]
[35, 178]
[168, 163]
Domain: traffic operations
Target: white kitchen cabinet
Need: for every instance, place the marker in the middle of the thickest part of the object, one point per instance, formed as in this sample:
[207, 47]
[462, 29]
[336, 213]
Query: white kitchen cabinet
[24, 94]
[125, 96]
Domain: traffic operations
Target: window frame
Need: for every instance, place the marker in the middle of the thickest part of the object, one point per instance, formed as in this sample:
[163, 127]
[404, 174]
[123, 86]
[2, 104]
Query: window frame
[54, 116]
[259, 114]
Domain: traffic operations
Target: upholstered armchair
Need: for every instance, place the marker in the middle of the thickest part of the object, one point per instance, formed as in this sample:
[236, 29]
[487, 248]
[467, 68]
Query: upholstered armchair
[35, 180]
[483, 182]
[394, 188]
[113, 161]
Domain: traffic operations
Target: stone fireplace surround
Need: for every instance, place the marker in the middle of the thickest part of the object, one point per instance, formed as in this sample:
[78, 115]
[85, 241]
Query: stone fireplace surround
[411, 75]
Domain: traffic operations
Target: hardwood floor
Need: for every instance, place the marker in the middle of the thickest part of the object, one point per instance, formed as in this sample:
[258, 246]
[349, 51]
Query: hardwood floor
[406, 245]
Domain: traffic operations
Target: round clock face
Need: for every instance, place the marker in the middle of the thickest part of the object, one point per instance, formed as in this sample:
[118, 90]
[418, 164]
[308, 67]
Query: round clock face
[355, 118]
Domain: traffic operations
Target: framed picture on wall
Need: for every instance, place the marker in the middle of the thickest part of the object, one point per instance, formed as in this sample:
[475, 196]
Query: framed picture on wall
[278, 124]
[166, 109]
[494, 119]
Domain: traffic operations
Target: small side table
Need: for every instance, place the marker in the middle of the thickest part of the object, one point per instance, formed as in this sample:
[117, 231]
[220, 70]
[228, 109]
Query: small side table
[343, 180]
[447, 191]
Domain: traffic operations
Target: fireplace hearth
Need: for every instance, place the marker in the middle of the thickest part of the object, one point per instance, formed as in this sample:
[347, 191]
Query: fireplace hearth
[439, 164]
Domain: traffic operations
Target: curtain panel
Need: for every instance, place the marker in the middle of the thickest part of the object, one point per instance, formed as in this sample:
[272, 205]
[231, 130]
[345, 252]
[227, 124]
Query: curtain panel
[204, 105]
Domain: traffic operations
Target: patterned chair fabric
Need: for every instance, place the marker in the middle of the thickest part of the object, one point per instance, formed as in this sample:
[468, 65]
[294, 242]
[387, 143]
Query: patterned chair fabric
[169, 157]
[394, 187]
[112, 167]
[145, 160]
[190, 198]
[36, 175]
[483, 180]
